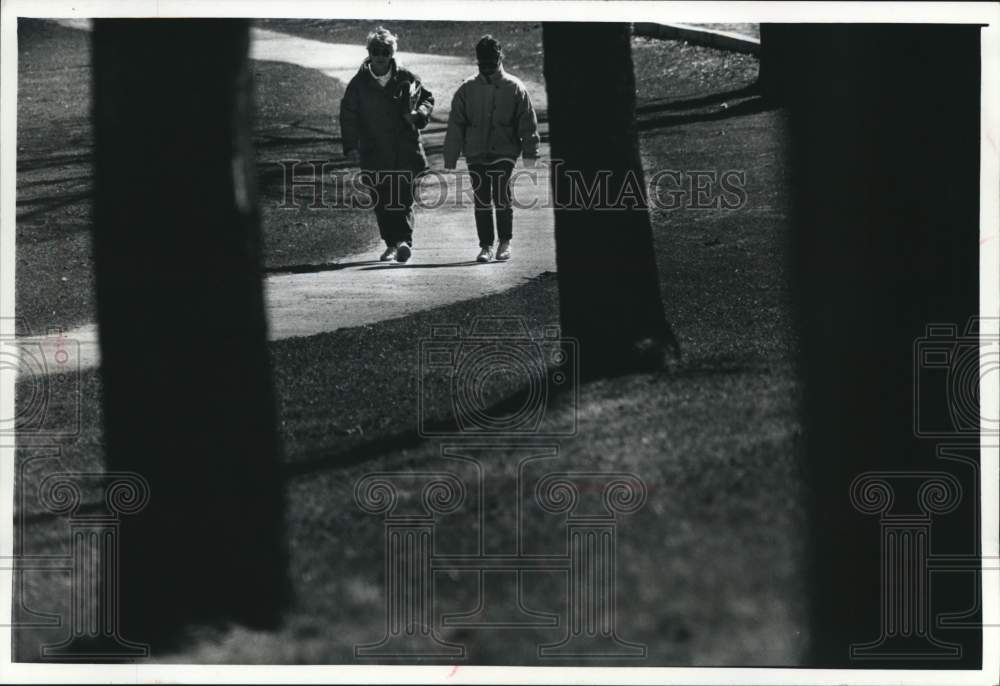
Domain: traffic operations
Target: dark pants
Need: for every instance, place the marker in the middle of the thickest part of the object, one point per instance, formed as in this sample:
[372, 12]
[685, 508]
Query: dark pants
[491, 189]
[392, 196]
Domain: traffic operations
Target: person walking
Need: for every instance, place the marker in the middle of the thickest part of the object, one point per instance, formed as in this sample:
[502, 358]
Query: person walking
[381, 114]
[492, 122]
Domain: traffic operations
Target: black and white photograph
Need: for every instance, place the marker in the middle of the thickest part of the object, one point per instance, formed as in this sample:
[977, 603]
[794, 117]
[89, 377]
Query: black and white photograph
[496, 342]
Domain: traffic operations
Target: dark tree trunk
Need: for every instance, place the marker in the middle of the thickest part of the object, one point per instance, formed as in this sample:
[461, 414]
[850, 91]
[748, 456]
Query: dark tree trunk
[188, 398]
[609, 290]
[885, 161]
[775, 61]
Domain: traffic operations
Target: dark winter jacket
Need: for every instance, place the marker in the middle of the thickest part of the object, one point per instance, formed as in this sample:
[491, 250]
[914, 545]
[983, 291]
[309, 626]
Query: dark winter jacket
[371, 120]
[490, 119]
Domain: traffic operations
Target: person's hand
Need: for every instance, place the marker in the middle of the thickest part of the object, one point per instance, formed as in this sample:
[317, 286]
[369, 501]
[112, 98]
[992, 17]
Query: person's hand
[352, 156]
[529, 162]
[412, 118]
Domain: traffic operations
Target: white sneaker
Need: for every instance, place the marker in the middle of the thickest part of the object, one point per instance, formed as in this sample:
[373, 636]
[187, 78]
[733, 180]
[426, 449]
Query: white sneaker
[485, 255]
[503, 251]
[389, 255]
[403, 252]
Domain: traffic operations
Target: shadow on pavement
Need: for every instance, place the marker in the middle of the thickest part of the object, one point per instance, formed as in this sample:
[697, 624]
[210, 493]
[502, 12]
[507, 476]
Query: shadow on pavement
[410, 265]
[315, 268]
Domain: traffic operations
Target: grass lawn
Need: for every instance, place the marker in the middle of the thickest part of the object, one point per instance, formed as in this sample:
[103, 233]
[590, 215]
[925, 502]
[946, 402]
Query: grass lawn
[522, 41]
[295, 120]
[710, 570]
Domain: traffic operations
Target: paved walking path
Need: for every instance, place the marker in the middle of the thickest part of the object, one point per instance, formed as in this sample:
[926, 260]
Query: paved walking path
[358, 289]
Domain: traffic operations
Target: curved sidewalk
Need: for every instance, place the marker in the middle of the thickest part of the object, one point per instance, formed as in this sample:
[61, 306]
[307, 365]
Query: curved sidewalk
[358, 289]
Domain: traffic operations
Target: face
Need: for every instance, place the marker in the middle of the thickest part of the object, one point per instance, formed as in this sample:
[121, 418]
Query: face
[380, 56]
[488, 68]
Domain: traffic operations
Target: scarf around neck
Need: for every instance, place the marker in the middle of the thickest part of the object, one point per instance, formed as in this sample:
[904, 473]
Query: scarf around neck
[384, 79]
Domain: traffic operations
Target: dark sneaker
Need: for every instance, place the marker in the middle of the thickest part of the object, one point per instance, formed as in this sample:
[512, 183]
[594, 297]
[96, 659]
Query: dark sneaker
[389, 255]
[403, 252]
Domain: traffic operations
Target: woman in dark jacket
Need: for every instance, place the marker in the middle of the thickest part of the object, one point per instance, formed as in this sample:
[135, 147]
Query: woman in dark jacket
[381, 114]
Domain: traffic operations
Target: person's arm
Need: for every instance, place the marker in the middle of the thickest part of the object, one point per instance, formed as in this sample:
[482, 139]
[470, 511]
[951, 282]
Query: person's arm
[349, 116]
[527, 125]
[425, 105]
[454, 139]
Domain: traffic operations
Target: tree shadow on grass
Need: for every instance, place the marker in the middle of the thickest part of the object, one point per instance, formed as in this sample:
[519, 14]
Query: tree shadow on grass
[698, 102]
[323, 459]
[558, 399]
[41, 206]
[53, 181]
[753, 105]
[53, 161]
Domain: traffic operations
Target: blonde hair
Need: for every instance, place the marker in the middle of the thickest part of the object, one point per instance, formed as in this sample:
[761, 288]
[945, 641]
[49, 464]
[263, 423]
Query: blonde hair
[382, 36]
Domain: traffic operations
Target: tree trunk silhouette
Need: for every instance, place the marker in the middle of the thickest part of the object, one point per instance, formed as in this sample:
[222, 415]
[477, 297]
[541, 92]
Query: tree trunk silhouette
[187, 391]
[776, 59]
[609, 290]
[886, 244]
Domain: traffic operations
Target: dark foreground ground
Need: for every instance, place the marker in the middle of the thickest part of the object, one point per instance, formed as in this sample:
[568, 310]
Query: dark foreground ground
[709, 570]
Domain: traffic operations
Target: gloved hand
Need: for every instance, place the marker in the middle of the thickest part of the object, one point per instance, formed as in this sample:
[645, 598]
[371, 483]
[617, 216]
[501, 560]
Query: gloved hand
[414, 119]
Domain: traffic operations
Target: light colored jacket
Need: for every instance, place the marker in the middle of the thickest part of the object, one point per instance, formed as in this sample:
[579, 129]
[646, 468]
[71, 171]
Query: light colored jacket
[491, 118]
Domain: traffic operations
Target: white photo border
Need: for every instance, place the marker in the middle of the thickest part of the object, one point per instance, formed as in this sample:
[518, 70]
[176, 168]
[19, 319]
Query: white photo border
[984, 13]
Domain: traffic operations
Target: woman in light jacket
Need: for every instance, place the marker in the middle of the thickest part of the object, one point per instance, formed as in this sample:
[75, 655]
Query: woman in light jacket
[492, 122]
